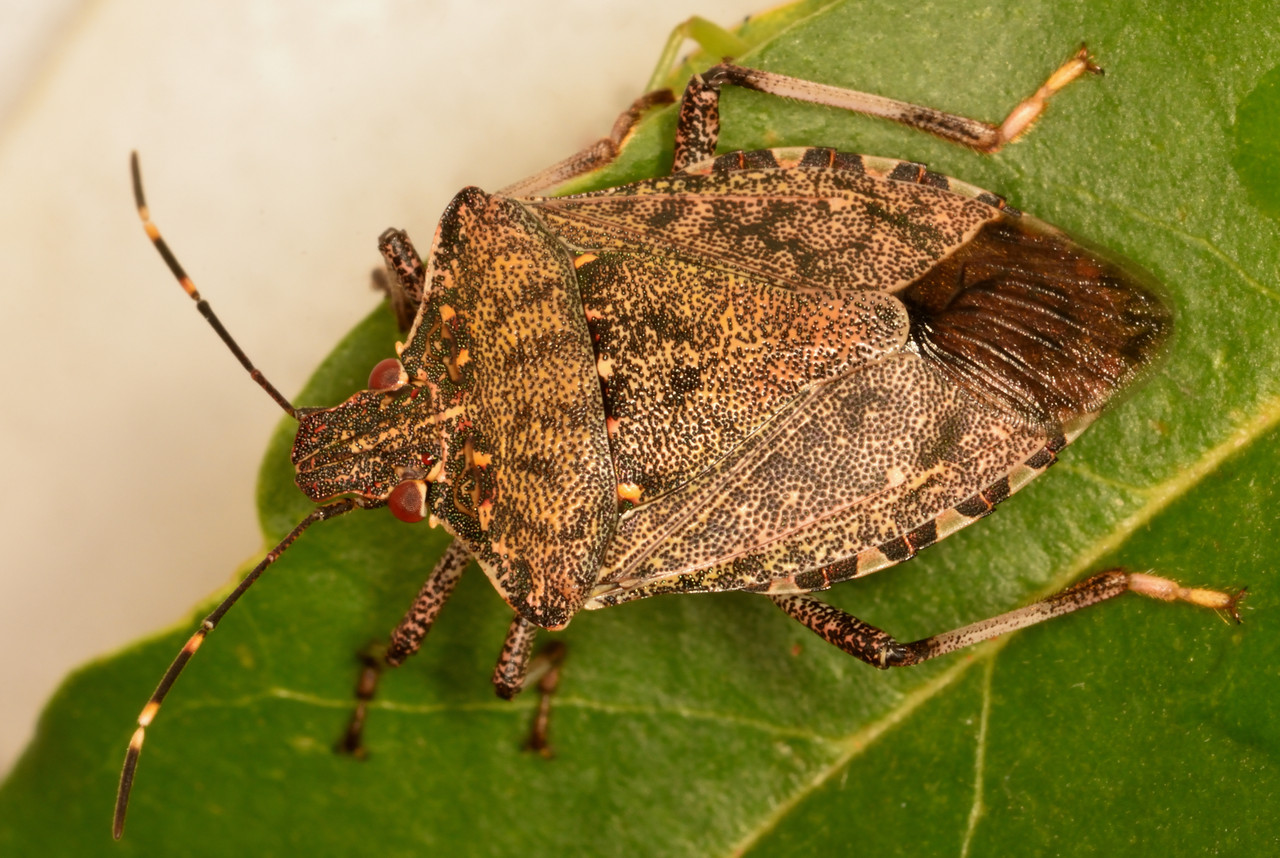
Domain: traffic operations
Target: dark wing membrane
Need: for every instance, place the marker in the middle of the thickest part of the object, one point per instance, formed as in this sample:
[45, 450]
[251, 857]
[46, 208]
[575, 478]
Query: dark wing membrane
[1033, 324]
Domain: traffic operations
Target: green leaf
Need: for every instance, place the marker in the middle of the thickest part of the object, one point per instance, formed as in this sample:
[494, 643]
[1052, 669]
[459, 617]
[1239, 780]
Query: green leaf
[711, 725]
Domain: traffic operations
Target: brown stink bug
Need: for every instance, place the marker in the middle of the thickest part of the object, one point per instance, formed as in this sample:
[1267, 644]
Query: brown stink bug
[768, 371]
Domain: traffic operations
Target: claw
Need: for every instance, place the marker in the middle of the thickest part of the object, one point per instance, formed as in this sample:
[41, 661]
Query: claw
[1233, 604]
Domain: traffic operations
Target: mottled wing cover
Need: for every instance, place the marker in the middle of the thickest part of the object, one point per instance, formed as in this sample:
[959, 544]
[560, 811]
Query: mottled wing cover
[1017, 336]
[503, 344]
[850, 467]
[798, 228]
[714, 300]
[694, 359]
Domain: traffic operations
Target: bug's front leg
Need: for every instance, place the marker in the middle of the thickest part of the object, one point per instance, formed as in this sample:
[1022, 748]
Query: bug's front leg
[405, 640]
[878, 648]
[698, 128]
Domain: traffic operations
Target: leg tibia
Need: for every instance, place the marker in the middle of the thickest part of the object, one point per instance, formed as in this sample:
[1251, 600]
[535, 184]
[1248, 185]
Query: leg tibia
[699, 123]
[544, 671]
[597, 155]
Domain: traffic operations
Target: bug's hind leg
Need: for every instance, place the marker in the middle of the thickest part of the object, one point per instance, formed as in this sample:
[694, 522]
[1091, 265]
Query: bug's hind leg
[879, 649]
[405, 641]
[698, 128]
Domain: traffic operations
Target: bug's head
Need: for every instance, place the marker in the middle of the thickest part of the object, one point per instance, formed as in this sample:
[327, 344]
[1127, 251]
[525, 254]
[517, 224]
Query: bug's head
[381, 444]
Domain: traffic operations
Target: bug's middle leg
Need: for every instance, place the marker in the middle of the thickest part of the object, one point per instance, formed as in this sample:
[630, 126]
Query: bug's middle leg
[878, 648]
[518, 669]
[405, 640]
[597, 155]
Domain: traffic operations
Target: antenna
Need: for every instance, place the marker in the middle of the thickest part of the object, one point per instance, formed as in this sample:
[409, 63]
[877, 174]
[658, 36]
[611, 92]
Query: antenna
[189, 287]
[171, 675]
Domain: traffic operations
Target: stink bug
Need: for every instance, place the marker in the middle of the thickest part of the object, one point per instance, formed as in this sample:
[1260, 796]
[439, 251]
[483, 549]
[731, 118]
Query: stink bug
[768, 371]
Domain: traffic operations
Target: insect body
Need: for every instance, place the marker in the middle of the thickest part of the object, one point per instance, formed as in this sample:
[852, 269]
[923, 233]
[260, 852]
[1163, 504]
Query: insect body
[768, 371]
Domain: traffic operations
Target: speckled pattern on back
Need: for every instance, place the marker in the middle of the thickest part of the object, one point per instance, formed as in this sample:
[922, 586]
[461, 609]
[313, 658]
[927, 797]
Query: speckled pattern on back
[824, 228]
[852, 465]
[693, 359]
[503, 348]
[773, 371]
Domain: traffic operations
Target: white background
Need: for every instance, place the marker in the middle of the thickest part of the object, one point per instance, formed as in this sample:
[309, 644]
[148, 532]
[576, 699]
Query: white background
[278, 140]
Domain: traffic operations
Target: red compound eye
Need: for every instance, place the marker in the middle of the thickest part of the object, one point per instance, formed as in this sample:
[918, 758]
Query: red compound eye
[387, 375]
[408, 501]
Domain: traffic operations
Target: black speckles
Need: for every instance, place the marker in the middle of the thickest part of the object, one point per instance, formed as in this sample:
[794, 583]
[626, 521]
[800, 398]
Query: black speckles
[924, 535]
[993, 200]
[997, 492]
[527, 477]
[766, 230]
[834, 477]
[664, 214]
[920, 234]
[862, 463]
[759, 159]
[888, 316]
[849, 163]
[826, 228]
[682, 381]
[696, 358]
[750, 568]
[897, 550]
[935, 180]
[909, 171]
[945, 443]
[814, 579]
[1042, 459]
[974, 507]
[756, 159]
[725, 163]
[819, 158]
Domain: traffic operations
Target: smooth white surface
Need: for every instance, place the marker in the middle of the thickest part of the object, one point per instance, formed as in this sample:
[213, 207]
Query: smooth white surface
[277, 140]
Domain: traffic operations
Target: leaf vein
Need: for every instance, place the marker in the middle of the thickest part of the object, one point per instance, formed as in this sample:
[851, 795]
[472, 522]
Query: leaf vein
[978, 808]
[1157, 500]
